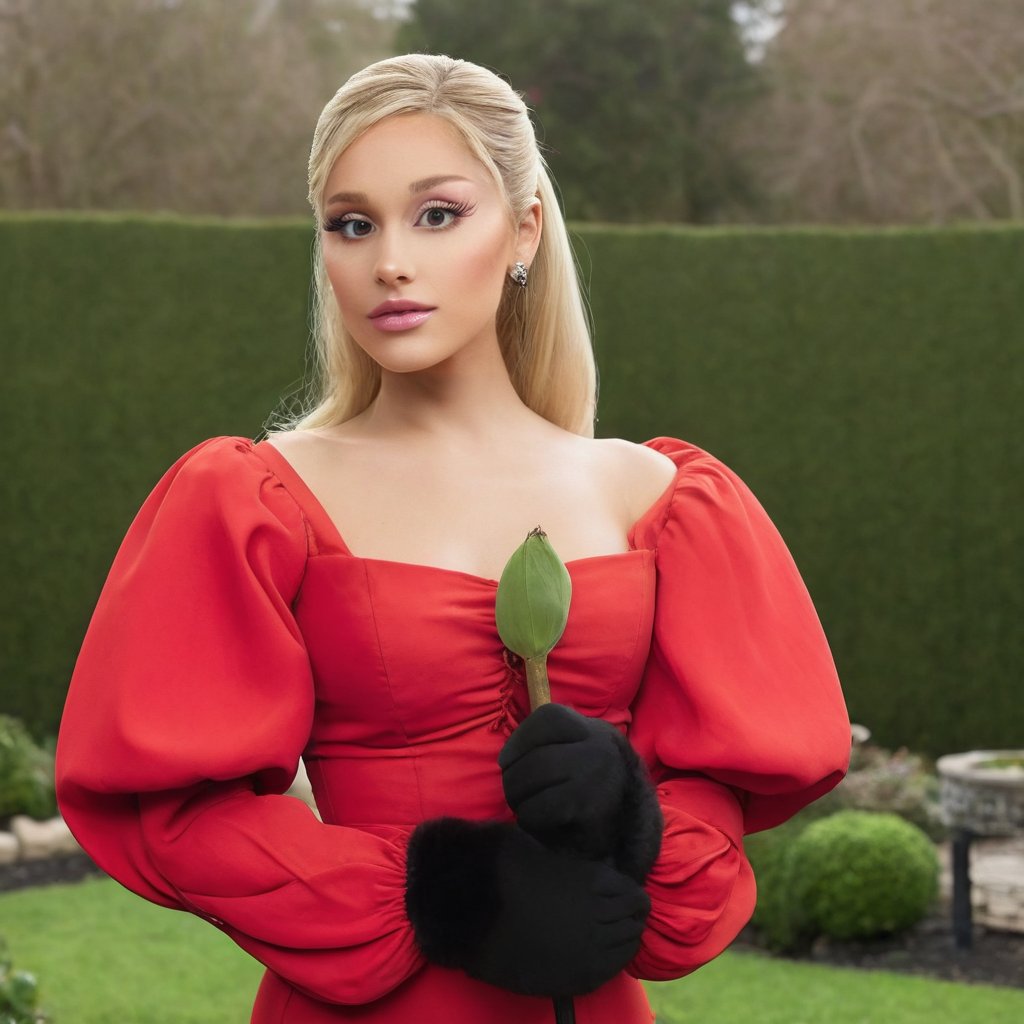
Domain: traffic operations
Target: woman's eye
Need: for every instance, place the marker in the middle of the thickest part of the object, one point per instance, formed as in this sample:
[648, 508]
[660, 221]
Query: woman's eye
[355, 228]
[349, 227]
[437, 217]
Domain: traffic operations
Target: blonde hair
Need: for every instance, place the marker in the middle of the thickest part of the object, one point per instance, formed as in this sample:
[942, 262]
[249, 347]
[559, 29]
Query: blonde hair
[542, 329]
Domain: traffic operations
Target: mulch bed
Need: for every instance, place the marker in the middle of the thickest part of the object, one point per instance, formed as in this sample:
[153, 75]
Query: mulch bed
[68, 867]
[997, 958]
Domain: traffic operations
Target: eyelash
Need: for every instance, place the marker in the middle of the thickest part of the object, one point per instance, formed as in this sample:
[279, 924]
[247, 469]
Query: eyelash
[459, 210]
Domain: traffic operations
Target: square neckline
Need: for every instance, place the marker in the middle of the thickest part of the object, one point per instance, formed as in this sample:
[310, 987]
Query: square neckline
[325, 527]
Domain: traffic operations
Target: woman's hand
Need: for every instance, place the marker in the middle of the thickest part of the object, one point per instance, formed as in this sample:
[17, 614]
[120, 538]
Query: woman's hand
[576, 784]
[565, 778]
[491, 900]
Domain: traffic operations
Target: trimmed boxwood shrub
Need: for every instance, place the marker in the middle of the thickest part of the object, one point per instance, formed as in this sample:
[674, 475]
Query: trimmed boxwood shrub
[26, 773]
[774, 918]
[19, 993]
[859, 874]
[769, 856]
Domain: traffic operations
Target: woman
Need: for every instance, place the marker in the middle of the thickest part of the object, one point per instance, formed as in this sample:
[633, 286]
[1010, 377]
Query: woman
[329, 593]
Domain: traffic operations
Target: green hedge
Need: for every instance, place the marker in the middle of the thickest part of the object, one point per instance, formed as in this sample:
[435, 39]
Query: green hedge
[868, 387]
[126, 341]
[863, 383]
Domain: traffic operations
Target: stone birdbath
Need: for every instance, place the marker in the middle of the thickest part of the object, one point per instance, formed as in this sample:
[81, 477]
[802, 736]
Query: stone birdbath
[982, 794]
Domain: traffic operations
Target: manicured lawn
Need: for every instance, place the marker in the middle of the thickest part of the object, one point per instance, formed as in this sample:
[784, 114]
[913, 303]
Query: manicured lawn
[744, 988]
[104, 955]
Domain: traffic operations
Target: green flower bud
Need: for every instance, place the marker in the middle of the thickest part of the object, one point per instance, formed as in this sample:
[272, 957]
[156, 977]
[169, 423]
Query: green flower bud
[532, 603]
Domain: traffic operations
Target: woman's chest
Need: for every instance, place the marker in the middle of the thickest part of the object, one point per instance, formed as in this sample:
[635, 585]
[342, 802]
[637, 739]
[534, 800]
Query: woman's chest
[406, 654]
[467, 513]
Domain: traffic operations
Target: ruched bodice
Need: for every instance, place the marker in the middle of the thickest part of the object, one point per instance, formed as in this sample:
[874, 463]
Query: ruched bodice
[424, 693]
[416, 703]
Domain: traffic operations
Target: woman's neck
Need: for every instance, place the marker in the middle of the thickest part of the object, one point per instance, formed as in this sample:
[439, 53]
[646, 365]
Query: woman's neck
[469, 402]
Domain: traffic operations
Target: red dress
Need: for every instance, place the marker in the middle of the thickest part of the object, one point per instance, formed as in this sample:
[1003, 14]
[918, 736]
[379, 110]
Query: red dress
[236, 632]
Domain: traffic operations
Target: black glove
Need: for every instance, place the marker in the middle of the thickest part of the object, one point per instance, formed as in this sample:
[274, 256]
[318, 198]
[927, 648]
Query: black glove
[491, 900]
[576, 784]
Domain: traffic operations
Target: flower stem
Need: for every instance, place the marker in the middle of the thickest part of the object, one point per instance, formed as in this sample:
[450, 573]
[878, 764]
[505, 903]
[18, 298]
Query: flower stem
[537, 681]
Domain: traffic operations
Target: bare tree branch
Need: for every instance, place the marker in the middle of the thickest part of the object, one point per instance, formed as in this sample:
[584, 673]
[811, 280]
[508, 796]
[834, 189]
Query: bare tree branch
[1010, 172]
[892, 110]
[192, 106]
[949, 169]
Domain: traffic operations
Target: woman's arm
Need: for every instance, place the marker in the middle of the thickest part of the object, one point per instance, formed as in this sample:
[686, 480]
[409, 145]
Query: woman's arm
[190, 704]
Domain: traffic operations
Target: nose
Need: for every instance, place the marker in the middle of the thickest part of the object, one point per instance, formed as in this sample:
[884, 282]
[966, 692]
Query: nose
[394, 263]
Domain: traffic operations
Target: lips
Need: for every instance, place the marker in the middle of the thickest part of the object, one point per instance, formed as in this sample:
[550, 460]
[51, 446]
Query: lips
[398, 306]
[400, 315]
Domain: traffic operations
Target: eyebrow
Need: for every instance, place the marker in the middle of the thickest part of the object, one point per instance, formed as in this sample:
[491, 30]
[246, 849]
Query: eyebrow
[416, 187]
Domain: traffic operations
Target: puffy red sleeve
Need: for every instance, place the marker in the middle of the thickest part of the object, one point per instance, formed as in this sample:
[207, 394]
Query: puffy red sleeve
[190, 704]
[740, 717]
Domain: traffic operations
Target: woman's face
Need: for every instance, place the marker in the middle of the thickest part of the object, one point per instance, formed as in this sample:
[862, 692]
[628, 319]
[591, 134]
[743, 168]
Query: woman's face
[417, 243]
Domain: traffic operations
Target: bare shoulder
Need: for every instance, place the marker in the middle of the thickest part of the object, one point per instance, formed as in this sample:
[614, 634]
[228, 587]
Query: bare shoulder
[317, 438]
[639, 463]
[643, 473]
[309, 451]
[295, 445]
[286, 440]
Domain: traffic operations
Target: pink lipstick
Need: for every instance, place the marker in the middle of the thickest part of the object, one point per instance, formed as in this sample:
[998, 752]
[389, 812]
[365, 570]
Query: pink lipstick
[399, 315]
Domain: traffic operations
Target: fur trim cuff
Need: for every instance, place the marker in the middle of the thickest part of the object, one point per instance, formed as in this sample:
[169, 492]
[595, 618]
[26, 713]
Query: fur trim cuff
[451, 894]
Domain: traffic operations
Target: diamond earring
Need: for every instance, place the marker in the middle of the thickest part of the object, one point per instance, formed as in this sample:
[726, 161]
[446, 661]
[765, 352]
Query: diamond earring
[520, 273]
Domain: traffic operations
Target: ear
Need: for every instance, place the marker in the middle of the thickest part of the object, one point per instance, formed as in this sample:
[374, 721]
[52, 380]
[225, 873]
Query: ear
[528, 232]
